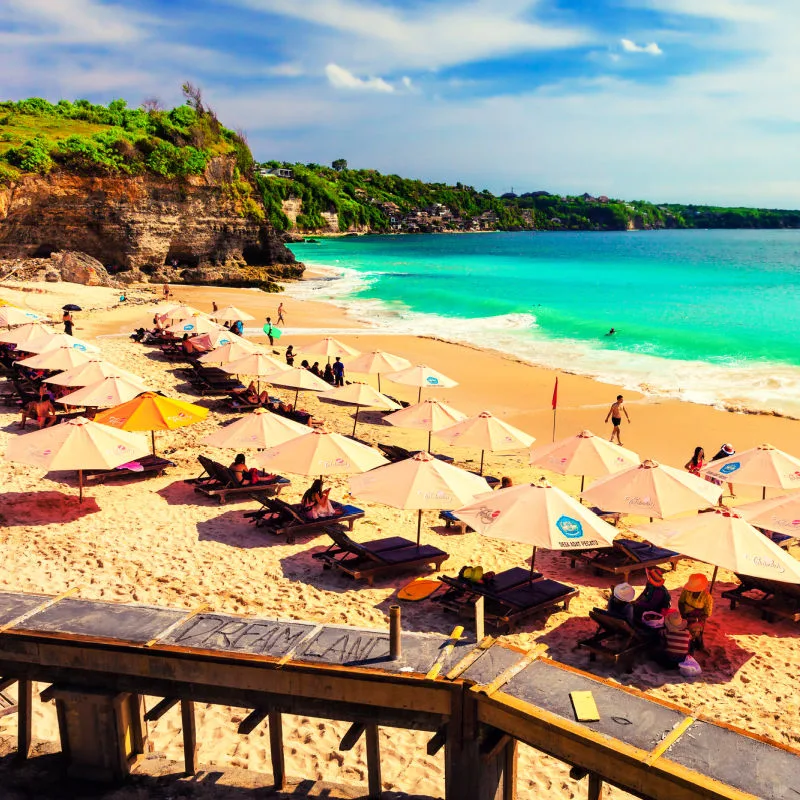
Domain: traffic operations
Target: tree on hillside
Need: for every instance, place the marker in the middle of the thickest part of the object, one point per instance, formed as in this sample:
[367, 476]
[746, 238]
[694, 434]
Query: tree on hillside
[340, 164]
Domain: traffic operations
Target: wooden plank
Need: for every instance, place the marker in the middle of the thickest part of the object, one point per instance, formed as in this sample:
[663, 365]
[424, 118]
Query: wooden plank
[189, 737]
[353, 734]
[51, 601]
[595, 787]
[374, 762]
[252, 721]
[6, 682]
[479, 618]
[310, 635]
[669, 740]
[510, 772]
[161, 708]
[434, 671]
[494, 746]
[24, 718]
[177, 624]
[504, 677]
[276, 749]
[470, 658]
[437, 741]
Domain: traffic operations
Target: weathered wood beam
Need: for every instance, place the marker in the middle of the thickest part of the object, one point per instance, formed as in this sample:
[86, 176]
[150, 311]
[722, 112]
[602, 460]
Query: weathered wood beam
[252, 721]
[276, 749]
[24, 719]
[437, 741]
[595, 786]
[354, 733]
[494, 745]
[6, 682]
[374, 762]
[510, 772]
[48, 694]
[189, 737]
[161, 708]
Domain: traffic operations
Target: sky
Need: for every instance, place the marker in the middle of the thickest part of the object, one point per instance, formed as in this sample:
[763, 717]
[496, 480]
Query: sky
[664, 100]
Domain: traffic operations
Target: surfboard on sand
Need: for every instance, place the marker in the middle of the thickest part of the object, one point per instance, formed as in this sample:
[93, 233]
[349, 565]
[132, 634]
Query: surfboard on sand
[419, 589]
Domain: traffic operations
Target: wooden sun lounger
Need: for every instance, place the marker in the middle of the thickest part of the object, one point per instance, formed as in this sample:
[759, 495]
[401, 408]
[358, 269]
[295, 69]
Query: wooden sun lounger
[396, 453]
[452, 521]
[368, 560]
[7, 705]
[611, 517]
[150, 465]
[616, 640]
[224, 484]
[774, 598]
[624, 557]
[783, 540]
[284, 519]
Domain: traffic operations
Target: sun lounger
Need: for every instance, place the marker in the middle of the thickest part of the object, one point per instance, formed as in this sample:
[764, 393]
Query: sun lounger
[7, 705]
[452, 521]
[624, 557]
[783, 540]
[368, 560]
[508, 599]
[611, 517]
[396, 453]
[142, 467]
[289, 520]
[212, 383]
[772, 598]
[223, 483]
[616, 640]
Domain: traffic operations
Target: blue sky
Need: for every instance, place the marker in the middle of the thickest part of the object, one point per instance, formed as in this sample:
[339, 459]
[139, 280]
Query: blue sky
[668, 100]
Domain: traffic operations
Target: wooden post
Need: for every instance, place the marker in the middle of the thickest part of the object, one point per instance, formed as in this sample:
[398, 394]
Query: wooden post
[595, 786]
[479, 622]
[24, 715]
[373, 762]
[276, 749]
[395, 634]
[189, 737]
[510, 773]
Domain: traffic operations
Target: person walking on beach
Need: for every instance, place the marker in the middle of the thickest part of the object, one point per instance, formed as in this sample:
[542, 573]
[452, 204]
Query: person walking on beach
[268, 331]
[615, 414]
[696, 462]
[280, 315]
[338, 372]
[165, 289]
[68, 323]
[214, 308]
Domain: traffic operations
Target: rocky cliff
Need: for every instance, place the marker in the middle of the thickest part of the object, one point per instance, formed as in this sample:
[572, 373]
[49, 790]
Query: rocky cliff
[140, 224]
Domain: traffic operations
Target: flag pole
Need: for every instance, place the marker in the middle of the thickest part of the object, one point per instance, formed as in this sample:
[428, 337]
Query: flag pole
[555, 406]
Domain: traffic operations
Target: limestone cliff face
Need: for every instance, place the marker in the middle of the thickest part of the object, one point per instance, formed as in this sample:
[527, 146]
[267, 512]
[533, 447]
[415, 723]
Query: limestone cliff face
[139, 222]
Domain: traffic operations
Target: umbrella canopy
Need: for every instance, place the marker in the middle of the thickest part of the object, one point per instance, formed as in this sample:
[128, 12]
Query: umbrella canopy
[194, 325]
[724, 539]
[778, 514]
[430, 415]
[583, 454]
[11, 315]
[51, 341]
[222, 354]
[105, 393]
[299, 379]
[90, 373]
[321, 453]
[60, 358]
[421, 482]
[376, 362]
[25, 333]
[218, 338]
[652, 490]
[358, 395]
[262, 428]
[764, 465]
[232, 314]
[485, 432]
[152, 412]
[179, 312]
[538, 514]
[257, 363]
[77, 444]
[422, 376]
[329, 347]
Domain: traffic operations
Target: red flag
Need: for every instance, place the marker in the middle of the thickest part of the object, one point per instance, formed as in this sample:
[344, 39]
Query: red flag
[555, 395]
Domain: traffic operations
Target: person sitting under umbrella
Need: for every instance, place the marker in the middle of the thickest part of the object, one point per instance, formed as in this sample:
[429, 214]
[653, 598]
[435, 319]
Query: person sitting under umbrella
[245, 474]
[316, 502]
[42, 410]
[654, 596]
[620, 604]
[696, 605]
[676, 642]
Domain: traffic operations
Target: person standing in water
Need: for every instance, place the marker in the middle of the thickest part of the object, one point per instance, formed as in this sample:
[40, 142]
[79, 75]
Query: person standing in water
[615, 414]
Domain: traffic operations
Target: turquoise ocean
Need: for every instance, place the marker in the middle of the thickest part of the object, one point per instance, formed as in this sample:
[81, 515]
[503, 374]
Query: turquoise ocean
[706, 316]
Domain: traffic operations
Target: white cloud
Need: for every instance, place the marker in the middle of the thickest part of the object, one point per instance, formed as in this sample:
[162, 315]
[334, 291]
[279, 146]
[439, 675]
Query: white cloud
[631, 47]
[728, 10]
[340, 78]
[287, 70]
[407, 82]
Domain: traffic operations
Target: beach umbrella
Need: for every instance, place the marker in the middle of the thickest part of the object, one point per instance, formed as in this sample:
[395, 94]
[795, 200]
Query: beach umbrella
[236, 348]
[179, 312]
[330, 347]
[52, 341]
[11, 315]
[777, 514]
[194, 325]
[538, 514]
[421, 483]
[583, 454]
[58, 359]
[422, 376]
[487, 432]
[89, 373]
[24, 333]
[152, 412]
[376, 362]
[106, 393]
[259, 364]
[723, 538]
[260, 429]
[232, 314]
[219, 338]
[652, 490]
[77, 444]
[763, 466]
[71, 307]
[299, 379]
[358, 395]
[320, 453]
[430, 415]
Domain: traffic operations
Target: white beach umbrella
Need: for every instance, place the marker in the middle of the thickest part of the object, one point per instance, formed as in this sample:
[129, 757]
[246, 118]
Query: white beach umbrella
[194, 325]
[180, 312]
[358, 395]
[231, 314]
[60, 358]
[106, 393]
[583, 454]
[89, 373]
[299, 379]
[485, 432]
[24, 333]
[224, 353]
[430, 415]
[320, 453]
[330, 347]
[52, 341]
[538, 514]
[11, 315]
[421, 483]
[260, 429]
[652, 490]
[763, 466]
[257, 364]
[777, 514]
[722, 538]
[377, 362]
[219, 338]
[424, 377]
[77, 444]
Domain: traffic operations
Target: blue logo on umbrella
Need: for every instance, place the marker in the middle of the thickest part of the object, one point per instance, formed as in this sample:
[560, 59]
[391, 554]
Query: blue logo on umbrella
[726, 469]
[188, 327]
[569, 527]
[79, 347]
[431, 380]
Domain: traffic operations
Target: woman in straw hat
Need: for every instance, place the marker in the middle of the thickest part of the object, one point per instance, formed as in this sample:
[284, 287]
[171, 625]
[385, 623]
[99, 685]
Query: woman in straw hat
[696, 605]
[677, 640]
[620, 604]
[654, 596]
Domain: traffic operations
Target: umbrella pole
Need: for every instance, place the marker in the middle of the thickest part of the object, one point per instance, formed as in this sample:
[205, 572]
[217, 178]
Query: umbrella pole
[533, 561]
[713, 579]
[763, 492]
[80, 485]
[296, 392]
[355, 421]
[419, 525]
[379, 381]
[429, 441]
[419, 395]
[482, 452]
[153, 441]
